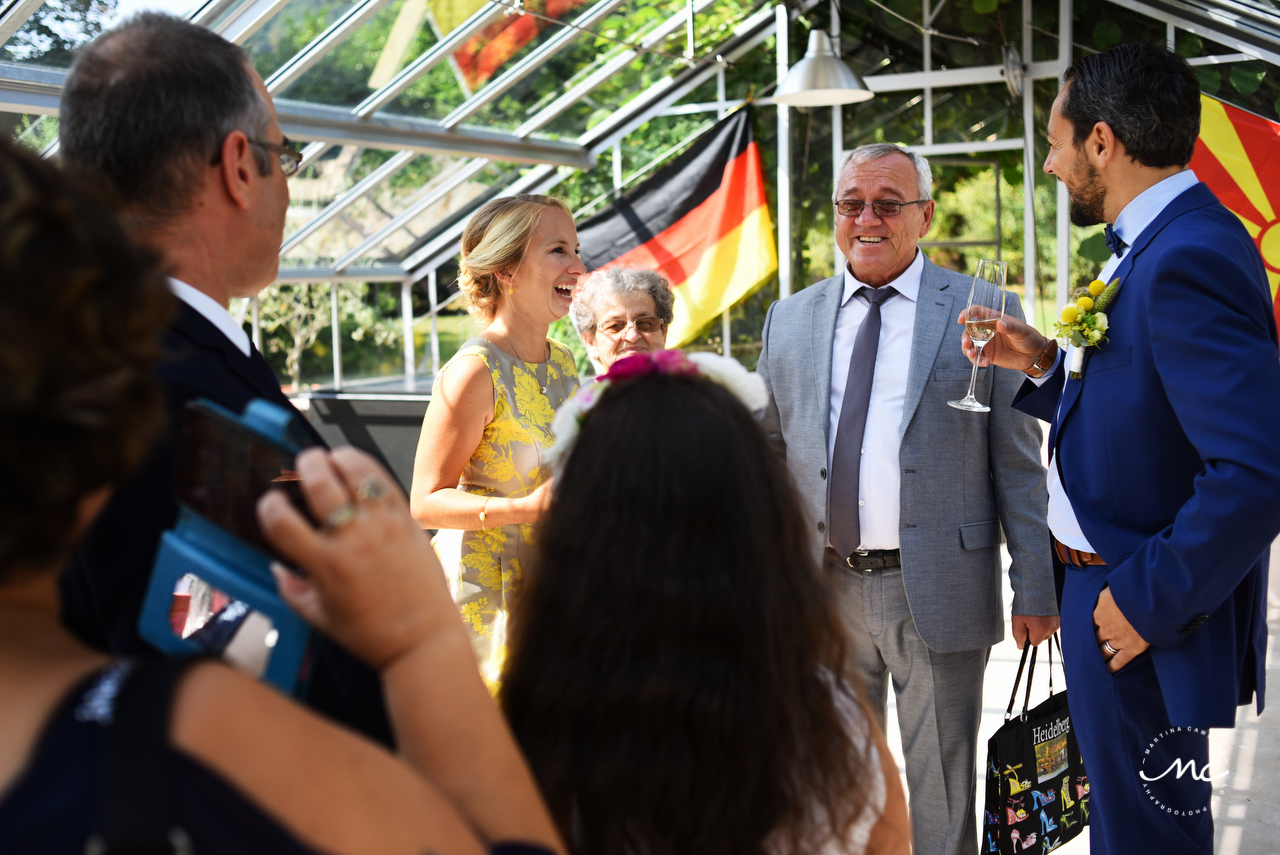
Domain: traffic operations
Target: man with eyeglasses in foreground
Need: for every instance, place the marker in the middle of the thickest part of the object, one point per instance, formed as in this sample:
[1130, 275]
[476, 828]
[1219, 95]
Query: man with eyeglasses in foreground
[175, 118]
[904, 505]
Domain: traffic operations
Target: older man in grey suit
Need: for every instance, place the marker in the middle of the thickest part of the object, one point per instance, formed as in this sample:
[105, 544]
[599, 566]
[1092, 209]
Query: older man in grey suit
[906, 497]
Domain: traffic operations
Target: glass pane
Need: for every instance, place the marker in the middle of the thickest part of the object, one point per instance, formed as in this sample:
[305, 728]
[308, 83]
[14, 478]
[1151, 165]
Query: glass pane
[896, 117]
[573, 64]
[1251, 84]
[484, 57]
[33, 131]
[989, 23]
[974, 113]
[1044, 32]
[290, 30]
[878, 36]
[368, 58]
[1100, 24]
[51, 35]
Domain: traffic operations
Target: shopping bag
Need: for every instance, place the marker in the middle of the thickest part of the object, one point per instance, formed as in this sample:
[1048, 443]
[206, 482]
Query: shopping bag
[1037, 791]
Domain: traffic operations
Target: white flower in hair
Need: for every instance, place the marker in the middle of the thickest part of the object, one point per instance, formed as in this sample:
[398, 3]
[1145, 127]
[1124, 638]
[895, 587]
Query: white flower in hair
[568, 420]
[747, 386]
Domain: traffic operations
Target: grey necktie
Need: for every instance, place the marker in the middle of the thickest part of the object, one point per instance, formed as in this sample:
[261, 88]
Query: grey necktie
[846, 459]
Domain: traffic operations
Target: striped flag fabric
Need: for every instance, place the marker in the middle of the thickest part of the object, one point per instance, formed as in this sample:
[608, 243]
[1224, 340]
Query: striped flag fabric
[1238, 157]
[702, 221]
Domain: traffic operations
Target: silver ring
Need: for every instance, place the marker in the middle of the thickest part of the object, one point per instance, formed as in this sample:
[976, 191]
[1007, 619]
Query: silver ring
[340, 516]
[1106, 645]
[371, 489]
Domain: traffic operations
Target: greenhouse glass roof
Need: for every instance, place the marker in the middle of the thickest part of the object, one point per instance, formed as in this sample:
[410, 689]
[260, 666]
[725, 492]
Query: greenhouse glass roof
[414, 112]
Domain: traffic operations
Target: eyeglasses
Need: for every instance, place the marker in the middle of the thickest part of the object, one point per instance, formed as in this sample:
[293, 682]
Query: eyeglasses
[290, 157]
[616, 327]
[883, 208]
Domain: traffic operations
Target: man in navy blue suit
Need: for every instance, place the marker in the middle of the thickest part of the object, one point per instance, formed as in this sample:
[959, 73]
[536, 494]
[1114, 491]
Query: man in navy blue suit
[1164, 484]
[178, 122]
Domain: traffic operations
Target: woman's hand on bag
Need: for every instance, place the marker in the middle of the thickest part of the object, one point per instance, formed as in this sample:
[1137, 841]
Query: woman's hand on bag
[373, 582]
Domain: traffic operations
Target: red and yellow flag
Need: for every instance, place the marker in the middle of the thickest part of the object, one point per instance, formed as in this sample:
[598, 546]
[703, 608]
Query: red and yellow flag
[702, 221]
[484, 54]
[1238, 157]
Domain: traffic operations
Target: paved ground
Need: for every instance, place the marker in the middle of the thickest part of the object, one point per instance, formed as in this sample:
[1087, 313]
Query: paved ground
[1246, 805]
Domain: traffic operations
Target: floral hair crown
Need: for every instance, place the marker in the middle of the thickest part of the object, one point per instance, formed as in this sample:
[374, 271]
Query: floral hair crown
[746, 385]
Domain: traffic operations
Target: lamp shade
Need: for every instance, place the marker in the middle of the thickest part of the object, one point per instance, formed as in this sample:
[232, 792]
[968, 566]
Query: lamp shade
[821, 79]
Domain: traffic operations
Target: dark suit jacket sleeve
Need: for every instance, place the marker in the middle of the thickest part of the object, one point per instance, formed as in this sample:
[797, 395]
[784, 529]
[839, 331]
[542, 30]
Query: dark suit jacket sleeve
[1041, 401]
[1021, 497]
[1213, 347]
[770, 420]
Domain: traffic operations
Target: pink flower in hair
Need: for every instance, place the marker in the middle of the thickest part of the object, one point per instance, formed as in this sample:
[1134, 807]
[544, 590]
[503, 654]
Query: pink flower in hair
[656, 362]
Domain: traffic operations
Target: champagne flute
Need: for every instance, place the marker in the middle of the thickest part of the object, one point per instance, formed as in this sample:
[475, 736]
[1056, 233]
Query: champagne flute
[986, 308]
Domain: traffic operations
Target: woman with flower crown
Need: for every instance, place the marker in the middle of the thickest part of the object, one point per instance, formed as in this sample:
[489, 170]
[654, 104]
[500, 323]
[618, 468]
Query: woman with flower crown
[676, 674]
[479, 475]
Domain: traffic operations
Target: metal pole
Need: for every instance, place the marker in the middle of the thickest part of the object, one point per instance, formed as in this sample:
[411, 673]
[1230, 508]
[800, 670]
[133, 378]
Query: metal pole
[927, 44]
[433, 297]
[406, 314]
[837, 138]
[337, 336]
[689, 51]
[617, 168]
[726, 326]
[995, 168]
[256, 324]
[1064, 201]
[782, 31]
[1028, 176]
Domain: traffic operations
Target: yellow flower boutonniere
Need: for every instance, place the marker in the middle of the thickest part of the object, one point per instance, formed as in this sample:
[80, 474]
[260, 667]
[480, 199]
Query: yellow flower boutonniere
[1083, 322]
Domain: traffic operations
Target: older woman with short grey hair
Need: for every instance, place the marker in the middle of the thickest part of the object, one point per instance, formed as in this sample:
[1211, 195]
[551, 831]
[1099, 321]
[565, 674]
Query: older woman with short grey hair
[619, 311]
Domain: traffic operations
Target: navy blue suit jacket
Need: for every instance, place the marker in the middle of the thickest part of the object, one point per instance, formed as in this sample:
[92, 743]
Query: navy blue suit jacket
[1167, 448]
[105, 582]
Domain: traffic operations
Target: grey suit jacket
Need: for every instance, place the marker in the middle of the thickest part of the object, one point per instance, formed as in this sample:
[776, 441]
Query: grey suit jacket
[965, 476]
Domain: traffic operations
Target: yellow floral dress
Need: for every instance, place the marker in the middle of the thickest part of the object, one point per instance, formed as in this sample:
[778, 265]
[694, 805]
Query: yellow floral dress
[485, 566]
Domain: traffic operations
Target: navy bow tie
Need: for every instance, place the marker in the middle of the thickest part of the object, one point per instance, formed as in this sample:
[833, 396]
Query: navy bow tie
[1114, 243]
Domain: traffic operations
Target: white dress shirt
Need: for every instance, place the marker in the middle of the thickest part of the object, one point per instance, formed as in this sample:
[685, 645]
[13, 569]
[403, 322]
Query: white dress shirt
[879, 478]
[212, 311]
[1129, 226]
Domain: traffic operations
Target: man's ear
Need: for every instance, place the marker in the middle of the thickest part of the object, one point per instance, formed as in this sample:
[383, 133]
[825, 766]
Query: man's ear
[927, 209]
[1101, 146]
[238, 168]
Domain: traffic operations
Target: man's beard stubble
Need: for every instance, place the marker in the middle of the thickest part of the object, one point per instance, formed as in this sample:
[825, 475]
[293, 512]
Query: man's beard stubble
[1088, 201]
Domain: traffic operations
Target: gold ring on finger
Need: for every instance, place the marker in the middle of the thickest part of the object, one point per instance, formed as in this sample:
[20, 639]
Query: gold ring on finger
[340, 516]
[371, 489]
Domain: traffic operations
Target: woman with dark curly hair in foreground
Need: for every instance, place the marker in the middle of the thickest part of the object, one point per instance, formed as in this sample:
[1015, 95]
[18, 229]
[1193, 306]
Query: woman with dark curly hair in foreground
[239, 768]
[676, 666]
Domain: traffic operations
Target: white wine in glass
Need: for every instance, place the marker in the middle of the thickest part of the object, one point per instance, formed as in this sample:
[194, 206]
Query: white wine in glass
[986, 308]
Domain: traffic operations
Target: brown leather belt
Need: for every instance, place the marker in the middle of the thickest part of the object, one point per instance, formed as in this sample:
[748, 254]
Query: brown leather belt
[1075, 557]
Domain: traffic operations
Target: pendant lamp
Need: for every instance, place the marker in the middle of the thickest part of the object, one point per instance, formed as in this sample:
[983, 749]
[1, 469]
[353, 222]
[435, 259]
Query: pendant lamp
[821, 79]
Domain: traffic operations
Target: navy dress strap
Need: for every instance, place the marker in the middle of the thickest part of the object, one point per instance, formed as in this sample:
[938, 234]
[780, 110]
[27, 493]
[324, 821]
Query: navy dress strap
[133, 807]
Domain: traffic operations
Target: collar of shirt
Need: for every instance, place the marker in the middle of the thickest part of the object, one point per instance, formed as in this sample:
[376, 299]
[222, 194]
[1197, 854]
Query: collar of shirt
[1147, 205]
[212, 310]
[908, 284]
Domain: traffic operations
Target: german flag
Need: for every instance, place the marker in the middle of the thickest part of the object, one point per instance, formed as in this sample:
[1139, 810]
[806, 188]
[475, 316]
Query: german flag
[1237, 156]
[702, 221]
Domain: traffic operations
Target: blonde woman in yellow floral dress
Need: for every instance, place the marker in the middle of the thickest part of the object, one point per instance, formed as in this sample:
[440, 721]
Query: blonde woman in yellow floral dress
[479, 475]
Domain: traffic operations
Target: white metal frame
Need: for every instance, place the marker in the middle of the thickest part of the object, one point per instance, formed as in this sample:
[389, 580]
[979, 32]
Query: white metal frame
[1251, 31]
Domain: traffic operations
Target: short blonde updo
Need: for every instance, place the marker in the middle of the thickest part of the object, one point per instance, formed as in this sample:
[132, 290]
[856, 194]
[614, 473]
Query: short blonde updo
[494, 242]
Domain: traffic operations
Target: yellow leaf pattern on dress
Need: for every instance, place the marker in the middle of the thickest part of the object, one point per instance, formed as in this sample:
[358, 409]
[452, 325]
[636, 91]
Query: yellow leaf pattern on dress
[507, 464]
